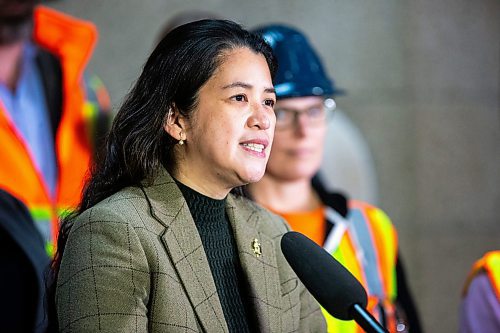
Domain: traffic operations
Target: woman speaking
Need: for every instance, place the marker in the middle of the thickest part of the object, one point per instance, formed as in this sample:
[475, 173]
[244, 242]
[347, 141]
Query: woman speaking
[163, 241]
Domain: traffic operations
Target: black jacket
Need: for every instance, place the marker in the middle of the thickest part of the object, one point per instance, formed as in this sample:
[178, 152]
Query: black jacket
[23, 263]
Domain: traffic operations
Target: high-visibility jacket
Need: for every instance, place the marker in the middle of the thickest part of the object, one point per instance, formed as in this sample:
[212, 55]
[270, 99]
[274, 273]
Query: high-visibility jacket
[71, 41]
[490, 264]
[368, 249]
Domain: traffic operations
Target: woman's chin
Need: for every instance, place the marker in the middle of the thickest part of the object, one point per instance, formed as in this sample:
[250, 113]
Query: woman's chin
[252, 176]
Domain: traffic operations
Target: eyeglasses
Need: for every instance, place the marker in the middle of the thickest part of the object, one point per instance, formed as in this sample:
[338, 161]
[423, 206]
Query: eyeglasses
[286, 118]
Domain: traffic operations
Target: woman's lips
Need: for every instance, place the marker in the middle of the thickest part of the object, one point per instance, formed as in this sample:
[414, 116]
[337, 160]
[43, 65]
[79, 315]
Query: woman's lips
[257, 147]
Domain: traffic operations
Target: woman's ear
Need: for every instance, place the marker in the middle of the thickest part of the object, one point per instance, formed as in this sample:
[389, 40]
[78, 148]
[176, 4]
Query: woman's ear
[175, 124]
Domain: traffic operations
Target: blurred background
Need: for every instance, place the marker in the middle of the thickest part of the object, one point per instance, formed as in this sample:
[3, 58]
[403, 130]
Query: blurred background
[423, 86]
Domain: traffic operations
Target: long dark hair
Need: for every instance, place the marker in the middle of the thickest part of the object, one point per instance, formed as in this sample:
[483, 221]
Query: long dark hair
[137, 144]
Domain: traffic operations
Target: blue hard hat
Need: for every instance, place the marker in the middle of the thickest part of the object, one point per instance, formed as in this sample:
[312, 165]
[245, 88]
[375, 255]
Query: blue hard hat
[300, 71]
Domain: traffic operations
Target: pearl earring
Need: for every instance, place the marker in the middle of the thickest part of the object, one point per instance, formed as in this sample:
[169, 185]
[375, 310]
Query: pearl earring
[181, 141]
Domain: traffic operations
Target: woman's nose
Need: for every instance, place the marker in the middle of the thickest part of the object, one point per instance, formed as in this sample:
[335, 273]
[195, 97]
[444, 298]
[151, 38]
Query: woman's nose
[260, 117]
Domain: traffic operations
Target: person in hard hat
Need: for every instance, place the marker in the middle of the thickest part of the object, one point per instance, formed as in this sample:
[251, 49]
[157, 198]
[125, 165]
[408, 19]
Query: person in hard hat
[162, 238]
[358, 234]
[52, 113]
[480, 307]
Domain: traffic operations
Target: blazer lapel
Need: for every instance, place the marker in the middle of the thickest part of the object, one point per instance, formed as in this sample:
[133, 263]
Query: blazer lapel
[183, 244]
[260, 269]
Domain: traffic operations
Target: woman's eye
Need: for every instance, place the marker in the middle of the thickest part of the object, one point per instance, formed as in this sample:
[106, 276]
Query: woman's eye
[239, 98]
[269, 102]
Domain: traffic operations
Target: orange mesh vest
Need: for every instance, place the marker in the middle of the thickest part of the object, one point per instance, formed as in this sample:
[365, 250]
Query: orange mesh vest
[490, 264]
[72, 41]
[372, 239]
[370, 232]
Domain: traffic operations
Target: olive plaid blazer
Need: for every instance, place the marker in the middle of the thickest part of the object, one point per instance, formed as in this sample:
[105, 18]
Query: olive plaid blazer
[135, 263]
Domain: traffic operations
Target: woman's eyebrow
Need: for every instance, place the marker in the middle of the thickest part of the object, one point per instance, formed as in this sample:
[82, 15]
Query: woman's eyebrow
[239, 84]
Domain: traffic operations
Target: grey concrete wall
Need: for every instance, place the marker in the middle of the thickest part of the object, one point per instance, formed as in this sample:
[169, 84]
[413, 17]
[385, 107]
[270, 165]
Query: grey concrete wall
[423, 86]
[455, 72]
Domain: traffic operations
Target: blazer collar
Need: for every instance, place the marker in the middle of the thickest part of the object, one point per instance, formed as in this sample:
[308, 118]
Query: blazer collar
[183, 244]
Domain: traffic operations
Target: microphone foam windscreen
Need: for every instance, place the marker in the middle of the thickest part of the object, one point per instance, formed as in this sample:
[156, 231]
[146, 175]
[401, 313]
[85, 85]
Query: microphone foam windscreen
[333, 286]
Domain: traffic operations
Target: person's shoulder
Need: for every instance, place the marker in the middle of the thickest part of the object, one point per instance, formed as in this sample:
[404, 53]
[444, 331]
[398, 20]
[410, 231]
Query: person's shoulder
[373, 214]
[362, 205]
[56, 16]
[118, 207]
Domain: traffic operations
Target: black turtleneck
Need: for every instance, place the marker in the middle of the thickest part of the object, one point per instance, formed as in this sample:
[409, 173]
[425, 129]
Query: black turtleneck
[217, 238]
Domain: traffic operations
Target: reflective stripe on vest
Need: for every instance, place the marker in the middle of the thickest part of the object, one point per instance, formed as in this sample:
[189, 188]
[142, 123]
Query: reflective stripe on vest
[72, 41]
[371, 240]
[489, 263]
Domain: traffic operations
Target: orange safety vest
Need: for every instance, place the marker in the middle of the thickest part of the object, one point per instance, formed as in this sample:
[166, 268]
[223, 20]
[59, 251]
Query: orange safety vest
[490, 264]
[72, 41]
[371, 234]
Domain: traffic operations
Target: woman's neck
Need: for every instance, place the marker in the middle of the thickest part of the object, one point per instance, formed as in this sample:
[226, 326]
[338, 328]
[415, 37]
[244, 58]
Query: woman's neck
[10, 57]
[285, 196]
[206, 188]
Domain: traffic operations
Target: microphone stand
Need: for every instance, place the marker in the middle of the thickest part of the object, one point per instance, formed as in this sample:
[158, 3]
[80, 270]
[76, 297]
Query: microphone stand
[366, 320]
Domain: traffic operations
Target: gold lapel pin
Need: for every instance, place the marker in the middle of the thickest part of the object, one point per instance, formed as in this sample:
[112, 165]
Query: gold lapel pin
[256, 247]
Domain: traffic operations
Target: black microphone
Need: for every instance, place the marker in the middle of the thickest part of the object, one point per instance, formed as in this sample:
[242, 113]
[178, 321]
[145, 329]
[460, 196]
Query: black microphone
[333, 286]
